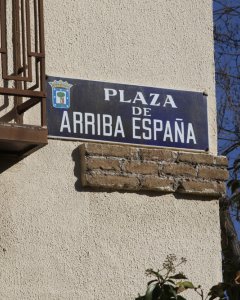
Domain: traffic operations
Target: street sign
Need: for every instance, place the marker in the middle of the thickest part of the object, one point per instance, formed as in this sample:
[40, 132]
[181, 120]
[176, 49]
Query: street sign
[121, 113]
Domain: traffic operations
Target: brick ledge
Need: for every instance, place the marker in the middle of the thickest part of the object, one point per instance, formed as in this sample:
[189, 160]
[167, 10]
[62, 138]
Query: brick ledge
[133, 168]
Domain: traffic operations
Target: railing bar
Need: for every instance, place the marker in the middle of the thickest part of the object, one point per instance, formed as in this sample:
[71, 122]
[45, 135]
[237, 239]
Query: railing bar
[25, 67]
[2, 22]
[17, 78]
[37, 54]
[16, 37]
[36, 86]
[1, 26]
[2, 48]
[22, 108]
[17, 55]
[28, 32]
[23, 93]
[35, 25]
[36, 28]
[42, 62]
[4, 38]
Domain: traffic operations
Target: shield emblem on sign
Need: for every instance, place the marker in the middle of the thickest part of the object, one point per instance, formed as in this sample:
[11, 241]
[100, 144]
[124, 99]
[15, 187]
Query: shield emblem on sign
[60, 94]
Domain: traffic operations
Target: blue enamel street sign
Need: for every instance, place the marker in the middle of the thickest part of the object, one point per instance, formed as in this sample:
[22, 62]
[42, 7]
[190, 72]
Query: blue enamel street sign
[120, 113]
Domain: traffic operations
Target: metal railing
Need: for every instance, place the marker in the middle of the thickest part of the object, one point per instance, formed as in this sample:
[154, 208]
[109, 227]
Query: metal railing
[22, 55]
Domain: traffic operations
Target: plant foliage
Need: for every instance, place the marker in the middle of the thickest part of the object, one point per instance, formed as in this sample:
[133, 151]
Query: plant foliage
[169, 284]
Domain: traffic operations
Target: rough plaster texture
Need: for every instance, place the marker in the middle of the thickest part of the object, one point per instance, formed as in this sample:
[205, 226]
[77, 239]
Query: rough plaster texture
[59, 242]
[63, 243]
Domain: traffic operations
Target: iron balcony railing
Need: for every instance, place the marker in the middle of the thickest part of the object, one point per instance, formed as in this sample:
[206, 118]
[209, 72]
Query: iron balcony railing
[22, 53]
[22, 78]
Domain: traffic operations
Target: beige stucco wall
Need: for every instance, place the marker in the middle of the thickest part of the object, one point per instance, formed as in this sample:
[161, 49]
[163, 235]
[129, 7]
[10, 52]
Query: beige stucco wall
[59, 242]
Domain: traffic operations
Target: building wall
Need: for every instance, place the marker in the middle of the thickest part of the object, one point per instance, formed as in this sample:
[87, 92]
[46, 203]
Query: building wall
[62, 242]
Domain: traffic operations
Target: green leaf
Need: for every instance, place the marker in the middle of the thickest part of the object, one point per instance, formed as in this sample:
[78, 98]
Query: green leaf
[151, 281]
[184, 285]
[169, 292]
[178, 276]
[171, 281]
[151, 287]
[188, 285]
[217, 291]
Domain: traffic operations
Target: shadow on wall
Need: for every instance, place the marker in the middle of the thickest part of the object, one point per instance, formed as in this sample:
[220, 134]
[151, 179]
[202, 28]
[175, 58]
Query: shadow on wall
[7, 162]
[77, 169]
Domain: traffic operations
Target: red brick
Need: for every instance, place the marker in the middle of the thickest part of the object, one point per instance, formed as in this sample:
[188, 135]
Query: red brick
[153, 183]
[141, 167]
[202, 188]
[220, 187]
[157, 154]
[110, 181]
[179, 169]
[98, 149]
[93, 163]
[221, 161]
[196, 158]
[213, 173]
